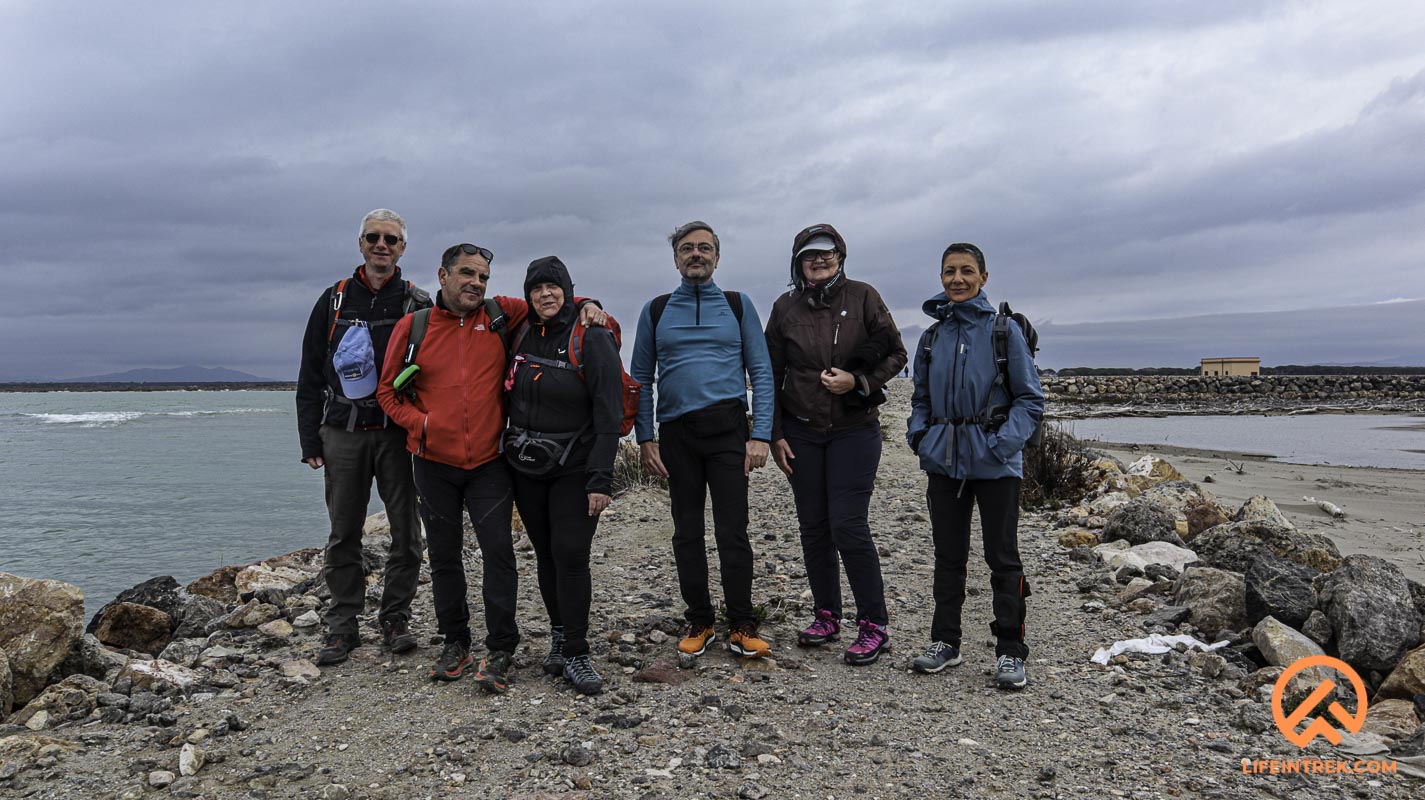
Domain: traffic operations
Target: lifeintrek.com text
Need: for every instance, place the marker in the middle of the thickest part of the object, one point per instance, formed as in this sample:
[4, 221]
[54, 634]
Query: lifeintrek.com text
[1317, 766]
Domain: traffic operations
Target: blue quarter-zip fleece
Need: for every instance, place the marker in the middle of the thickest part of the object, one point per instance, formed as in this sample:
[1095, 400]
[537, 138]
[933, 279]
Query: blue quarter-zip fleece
[954, 381]
[701, 359]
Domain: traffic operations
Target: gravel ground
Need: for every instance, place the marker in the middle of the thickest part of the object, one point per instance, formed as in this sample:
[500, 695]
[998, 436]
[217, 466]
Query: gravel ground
[798, 725]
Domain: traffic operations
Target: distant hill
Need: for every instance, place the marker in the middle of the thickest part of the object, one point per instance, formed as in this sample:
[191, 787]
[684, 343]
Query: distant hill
[188, 374]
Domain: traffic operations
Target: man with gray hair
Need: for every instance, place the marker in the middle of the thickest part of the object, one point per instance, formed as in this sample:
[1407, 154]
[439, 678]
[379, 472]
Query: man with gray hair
[344, 432]
[702, 344]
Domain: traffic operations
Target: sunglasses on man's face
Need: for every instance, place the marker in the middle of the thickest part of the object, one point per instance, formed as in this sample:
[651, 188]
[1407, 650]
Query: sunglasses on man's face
[390, 238]
[468, 249]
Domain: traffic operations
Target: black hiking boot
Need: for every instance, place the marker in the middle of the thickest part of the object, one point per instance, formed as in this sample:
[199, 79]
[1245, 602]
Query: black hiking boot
[554, 662]
[452, 662]
[398, 636]
[337, 647]
[580, 671]
[494, 672]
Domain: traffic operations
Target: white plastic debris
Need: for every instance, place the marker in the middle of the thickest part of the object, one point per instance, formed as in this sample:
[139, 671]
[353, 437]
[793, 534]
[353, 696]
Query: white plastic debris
[1153, 645]
[1325, 505]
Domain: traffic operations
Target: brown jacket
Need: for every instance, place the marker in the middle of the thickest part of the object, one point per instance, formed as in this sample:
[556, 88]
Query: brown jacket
[809, 331]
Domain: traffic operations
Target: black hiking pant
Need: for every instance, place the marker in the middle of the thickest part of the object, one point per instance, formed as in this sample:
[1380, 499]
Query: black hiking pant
[446, 493]
[696, 466]
[950, 510]
[832, 478]
[556, 517]
[353, 460]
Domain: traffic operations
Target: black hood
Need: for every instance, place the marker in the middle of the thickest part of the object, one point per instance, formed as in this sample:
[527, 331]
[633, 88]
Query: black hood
[550, 270]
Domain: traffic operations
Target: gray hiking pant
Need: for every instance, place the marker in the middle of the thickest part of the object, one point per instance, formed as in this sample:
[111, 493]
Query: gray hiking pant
[353, 460]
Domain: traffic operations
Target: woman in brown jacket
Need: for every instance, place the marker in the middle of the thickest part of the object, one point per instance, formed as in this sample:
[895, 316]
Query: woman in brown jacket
[833, 346]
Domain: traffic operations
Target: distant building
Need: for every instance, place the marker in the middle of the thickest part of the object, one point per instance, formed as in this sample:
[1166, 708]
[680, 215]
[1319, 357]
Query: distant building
[1218, 367]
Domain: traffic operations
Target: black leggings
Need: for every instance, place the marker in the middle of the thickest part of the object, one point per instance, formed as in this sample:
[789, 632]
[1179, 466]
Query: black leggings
[951, 502]
[556, 517]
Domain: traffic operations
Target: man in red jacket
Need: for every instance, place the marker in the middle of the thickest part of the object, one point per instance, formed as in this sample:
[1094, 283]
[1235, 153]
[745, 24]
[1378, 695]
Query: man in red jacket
[453, 420]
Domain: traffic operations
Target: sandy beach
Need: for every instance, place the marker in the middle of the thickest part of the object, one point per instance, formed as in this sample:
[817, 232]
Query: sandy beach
[1385, 508]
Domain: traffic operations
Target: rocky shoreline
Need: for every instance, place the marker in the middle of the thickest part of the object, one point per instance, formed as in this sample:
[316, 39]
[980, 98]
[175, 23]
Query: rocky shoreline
[207, 690]
[1189, 394]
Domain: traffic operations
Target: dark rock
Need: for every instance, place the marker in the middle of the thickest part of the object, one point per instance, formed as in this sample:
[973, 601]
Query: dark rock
[1368, 603]
[1168, 616]
[1236, 545]
[1202, 514]
[1217, 598]
[514, 735]
[193, 618]
[1414, 746]
[1126, 573]
[161, 593]
[1318, 628]
[218, 584]
[1083, 555]
[1280, 588]
[1160, 572]
[721, 757]
[1141, 521]
[661, 671]
[576, 756]
[1417, 596]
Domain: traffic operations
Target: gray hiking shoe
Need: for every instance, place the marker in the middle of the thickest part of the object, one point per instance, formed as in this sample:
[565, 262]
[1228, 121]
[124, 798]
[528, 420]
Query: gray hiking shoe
[580, 672]
[1009, 673]
[936, 657]
[554, 661]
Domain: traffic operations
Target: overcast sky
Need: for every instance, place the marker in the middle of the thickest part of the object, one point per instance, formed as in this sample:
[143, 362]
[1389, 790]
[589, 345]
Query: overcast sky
[181, 180]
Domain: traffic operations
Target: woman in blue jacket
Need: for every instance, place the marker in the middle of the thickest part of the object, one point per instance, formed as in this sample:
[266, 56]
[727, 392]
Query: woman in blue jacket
[969, 429]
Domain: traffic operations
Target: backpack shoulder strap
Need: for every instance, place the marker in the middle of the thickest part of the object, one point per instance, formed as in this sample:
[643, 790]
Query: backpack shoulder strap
[420, 321]
[655, 313]
[734, 302]
[416, 298]
[338, 295]
[499, 321]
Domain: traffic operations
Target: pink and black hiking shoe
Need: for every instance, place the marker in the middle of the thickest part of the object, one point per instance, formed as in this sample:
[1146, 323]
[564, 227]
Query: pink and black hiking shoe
[824, 628]
[871, 642]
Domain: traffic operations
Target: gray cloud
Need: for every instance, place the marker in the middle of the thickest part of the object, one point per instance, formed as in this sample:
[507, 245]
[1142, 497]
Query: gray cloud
[185, 180]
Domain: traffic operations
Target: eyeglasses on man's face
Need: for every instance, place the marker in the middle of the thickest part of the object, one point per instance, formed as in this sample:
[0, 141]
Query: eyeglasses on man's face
[390, 239]
[687, 248]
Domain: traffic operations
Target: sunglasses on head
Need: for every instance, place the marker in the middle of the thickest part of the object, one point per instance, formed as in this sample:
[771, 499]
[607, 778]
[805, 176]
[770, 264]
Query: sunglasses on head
[390, 238]
[454, 251]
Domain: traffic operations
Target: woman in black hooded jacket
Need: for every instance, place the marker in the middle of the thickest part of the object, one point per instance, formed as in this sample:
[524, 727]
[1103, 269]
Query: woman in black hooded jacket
[565, 408]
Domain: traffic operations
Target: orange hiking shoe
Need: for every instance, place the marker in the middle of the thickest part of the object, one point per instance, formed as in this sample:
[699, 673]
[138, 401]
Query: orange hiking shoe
[744, 641]
[696, 640]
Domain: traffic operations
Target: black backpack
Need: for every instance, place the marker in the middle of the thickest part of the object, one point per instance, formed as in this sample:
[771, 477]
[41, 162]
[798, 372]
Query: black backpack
[655, 311]
[420, 320]
[993, 416]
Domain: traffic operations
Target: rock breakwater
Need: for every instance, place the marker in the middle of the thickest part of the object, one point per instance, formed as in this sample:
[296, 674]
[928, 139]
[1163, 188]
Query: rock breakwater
[1272, 392]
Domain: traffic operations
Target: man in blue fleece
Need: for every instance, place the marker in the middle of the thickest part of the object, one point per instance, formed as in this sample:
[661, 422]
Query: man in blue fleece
[703, 346]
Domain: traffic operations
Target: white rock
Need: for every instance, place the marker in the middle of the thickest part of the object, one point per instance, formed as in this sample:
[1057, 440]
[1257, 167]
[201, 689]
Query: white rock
[300, 668]
[307, 620]
[191, 759]
[161, 778]
[1142, 555]
[39, 721]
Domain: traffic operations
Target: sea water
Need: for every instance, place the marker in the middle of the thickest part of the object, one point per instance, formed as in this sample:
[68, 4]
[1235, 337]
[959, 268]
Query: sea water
[107, 489]
[1394, 441]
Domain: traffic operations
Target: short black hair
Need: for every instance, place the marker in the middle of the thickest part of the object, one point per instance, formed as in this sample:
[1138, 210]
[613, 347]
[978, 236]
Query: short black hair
[965, 247]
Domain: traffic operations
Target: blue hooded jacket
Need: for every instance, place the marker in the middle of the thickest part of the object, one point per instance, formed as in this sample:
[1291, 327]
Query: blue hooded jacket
[954, 382]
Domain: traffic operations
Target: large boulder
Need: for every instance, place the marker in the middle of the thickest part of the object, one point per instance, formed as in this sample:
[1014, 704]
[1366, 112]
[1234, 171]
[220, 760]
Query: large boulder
[1259, 508]
[90, 657]
[1408, 677]
[134, 627]
[1154, 468]
[1217, 598]
[1108, 503]
[71, 698]
[1368, 603]
[1394, 720]
[1236, 545]
[1282, 646]
[1175, 496]
[1144, 555]
[1141, 521]
[1202, 514]
[40, 621]
[218, 584]
[282, 572]
[162, 593]
[1280, 588]
[7, 689]
[248, 615]
[198, 610]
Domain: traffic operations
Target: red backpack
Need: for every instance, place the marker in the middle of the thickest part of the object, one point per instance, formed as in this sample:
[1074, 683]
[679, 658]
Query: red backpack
[628, 390]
